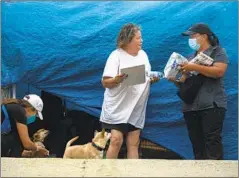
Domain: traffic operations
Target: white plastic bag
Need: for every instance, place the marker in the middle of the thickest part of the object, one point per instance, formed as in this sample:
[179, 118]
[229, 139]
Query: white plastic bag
[172, 67]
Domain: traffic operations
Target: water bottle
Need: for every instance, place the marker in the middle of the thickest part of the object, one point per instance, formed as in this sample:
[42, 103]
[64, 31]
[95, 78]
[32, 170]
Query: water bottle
[158, 74]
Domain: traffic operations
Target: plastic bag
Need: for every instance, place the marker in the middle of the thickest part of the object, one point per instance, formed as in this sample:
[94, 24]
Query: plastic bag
[172, 67]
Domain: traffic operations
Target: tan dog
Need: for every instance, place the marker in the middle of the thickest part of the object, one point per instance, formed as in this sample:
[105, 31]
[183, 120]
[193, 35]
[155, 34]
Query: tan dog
[38, 138]
[91, 150]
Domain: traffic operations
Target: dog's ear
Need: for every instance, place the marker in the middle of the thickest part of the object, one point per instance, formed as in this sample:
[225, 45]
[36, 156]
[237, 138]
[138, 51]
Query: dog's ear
[36, 137]
[103, 132]
[40, 130]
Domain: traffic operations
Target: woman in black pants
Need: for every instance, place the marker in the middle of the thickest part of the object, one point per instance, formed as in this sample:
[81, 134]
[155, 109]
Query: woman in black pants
[205, 115]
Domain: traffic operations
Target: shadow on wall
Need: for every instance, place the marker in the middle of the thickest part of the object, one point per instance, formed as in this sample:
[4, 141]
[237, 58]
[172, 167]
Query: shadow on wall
[65, 124]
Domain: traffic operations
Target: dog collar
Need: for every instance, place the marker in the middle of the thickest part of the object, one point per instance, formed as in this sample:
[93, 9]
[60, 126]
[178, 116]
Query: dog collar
[97, 147]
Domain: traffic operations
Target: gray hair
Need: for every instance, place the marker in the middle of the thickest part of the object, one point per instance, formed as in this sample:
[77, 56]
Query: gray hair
[126, 34]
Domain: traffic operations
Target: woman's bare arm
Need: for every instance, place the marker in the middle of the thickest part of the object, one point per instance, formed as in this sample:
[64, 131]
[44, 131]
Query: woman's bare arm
[24, 136]
[111, 82]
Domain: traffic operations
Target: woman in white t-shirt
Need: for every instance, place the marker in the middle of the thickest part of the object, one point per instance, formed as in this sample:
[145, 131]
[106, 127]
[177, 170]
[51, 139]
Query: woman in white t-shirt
[123, 110]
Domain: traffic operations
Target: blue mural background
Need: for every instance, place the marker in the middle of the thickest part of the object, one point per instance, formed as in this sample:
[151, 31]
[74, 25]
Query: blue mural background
[62, 47]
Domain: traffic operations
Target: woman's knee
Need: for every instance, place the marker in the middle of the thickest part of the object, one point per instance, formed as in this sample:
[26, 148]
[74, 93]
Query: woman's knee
[116, 141]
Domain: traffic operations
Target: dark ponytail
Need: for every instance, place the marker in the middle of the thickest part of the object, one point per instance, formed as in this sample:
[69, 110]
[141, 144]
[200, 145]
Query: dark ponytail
[213, 39]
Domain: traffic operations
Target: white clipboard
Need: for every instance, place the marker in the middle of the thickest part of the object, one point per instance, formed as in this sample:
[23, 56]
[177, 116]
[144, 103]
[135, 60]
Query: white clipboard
[136, 75]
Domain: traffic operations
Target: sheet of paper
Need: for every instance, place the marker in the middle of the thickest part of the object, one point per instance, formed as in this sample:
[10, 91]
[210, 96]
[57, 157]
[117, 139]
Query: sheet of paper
[136, 75]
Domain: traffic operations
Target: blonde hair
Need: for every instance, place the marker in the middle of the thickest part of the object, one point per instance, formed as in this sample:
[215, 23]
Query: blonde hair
[126, 34]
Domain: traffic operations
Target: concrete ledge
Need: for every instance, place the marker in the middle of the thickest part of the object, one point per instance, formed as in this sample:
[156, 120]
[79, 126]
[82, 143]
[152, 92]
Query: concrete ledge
[57, 167]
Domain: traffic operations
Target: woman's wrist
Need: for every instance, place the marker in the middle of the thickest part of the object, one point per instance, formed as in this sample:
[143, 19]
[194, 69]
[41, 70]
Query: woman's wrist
[37, 148]
[117, 79]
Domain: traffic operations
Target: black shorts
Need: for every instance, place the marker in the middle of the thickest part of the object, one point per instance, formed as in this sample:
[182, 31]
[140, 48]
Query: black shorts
[124, 128]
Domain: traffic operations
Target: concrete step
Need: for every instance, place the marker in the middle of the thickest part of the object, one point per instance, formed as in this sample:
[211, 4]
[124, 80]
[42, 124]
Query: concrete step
[57, 167]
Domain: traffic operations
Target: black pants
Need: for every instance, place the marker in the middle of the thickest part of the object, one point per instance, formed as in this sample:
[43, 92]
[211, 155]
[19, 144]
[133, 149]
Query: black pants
[204, 129]
[10, 146]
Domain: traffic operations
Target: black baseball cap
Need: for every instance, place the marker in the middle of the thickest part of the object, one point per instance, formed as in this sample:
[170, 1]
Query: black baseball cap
[201, 28]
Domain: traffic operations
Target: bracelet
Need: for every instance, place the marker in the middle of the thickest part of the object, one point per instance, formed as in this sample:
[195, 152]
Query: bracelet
[117, 79]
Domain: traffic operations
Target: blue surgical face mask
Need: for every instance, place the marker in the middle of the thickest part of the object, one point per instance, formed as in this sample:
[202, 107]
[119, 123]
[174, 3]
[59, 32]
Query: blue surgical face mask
[193, 44]
[31, 119]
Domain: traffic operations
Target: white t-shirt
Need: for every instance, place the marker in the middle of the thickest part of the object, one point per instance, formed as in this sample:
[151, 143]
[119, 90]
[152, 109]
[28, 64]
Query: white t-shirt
[125, 104]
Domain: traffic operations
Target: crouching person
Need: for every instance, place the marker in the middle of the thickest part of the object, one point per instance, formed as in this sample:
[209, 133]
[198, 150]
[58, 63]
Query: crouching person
[16, 114]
